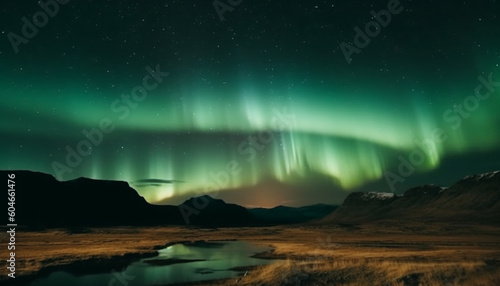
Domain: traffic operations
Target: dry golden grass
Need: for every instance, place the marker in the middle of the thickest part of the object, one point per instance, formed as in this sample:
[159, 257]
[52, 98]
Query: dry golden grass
[348, 271]
[378, 254]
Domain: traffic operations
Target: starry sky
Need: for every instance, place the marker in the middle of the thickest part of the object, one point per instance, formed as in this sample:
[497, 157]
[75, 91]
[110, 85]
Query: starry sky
[258, 103]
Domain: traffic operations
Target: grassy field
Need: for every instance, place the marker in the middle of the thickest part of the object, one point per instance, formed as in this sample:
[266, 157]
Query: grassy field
[386, 253]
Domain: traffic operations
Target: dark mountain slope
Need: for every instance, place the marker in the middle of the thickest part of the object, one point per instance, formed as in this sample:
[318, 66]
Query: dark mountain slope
[472, 199]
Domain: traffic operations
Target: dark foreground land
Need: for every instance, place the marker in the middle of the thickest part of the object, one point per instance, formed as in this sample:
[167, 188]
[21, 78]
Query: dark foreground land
[383, 253]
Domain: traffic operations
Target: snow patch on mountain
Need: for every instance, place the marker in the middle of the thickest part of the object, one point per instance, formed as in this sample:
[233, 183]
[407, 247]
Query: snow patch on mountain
[479, 177]
[443, 189]
[377, 196]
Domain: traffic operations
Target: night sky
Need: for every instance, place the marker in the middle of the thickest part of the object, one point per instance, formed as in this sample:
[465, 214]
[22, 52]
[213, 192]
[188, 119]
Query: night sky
[273, 102]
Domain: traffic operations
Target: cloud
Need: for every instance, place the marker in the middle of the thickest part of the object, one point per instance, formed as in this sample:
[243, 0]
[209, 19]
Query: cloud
[154, 182]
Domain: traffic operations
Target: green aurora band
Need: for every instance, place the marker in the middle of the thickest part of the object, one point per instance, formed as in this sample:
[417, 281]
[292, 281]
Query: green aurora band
[192, 135]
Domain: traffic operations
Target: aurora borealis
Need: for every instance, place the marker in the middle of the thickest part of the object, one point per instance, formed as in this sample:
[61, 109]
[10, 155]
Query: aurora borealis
[261, 99]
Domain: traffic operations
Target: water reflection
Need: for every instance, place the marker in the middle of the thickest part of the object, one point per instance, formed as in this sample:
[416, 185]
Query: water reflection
[179, 263]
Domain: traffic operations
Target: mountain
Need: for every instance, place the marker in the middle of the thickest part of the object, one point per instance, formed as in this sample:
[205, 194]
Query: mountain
[290, 215]
[207, 211]
[43, 201]
[474, 198]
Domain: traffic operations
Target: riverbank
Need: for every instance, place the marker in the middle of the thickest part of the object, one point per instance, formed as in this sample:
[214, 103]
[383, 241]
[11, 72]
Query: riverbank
[384, 254]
